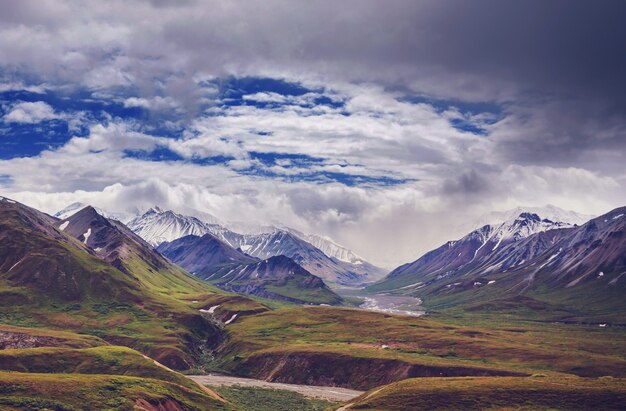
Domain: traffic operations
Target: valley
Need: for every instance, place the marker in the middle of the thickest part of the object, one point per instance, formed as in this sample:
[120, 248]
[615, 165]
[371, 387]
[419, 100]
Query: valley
[102, 306]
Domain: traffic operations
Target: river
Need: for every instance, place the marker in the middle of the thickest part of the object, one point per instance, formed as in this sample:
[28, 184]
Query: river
[384, 303]
[312, 391]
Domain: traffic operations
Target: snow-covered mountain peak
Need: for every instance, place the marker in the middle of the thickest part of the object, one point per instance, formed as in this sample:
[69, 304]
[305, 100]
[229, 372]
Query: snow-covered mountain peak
[73, 208]
[157, 226]
[548, 212]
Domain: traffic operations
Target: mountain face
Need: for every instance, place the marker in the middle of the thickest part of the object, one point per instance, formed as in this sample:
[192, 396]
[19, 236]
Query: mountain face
[314, 260]
[277, 277]
[38, 257]
[92, 275]
[157, 226]
[112, 241]
[76, 207]
[335, 265]
[578, 264]
[474, 249]
[203, 255]
[548, 212]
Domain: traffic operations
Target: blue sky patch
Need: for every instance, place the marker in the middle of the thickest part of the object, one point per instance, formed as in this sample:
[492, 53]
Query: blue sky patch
[494, 112]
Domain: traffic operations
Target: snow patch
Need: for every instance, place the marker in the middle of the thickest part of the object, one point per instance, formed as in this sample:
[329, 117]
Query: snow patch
[231, 319]
[64, 225]
[491, 282]
[549, 260]
[212, 309]
[618, 216]
[13, 266]
[86, 235]
[600, 274]
[410, 285]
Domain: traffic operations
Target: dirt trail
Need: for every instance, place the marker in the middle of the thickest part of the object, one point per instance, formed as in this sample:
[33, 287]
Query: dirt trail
[313, 391]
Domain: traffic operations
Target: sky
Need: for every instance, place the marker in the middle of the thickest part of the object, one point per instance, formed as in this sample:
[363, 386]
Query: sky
[387, 126]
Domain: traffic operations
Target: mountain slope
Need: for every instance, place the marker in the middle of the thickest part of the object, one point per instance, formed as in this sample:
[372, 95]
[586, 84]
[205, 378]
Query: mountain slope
[473, 250]
[121, 290]
[116, 244]
[77, 206]
[36, 256]
[579, 269]
[335, 265]
[332, 270]
[203, 255]
[277, 277]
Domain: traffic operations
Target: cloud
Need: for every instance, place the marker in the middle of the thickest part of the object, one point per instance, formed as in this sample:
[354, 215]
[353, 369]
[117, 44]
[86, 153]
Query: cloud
[464, 107]
[30, 113]
[156, 103]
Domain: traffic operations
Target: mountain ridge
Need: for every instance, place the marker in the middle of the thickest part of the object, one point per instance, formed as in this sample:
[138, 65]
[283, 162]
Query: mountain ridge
[573, 265]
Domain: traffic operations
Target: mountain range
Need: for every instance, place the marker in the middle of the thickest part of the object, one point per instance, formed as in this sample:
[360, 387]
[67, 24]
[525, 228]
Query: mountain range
[277, 277]
[78, 295]
[325, 259]
[581, 267]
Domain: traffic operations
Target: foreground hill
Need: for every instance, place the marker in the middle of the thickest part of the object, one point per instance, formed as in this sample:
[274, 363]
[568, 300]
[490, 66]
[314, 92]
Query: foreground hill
[361, 350]
[478, 393]
[579, 271]
[101, 279]
[105, 377]
[278, 278]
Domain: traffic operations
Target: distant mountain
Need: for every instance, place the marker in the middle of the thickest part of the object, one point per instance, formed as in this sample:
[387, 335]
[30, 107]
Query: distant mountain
[336, 265]
[329, 247]
[472, 250]
[277, 277]
[203, 255]
[314, 260]
[578, 265]
[157, 226]
[548, 212]
[76, 207]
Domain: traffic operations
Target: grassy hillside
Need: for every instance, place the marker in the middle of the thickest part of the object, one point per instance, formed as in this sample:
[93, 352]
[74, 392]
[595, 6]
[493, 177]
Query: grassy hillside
[124, 293]
[70, 392]
[539, 392]
[359, 349]
[105, 377]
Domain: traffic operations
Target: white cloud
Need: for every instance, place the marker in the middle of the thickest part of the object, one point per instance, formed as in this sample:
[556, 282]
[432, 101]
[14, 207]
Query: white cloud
[156, 103]
[458, 176]
[30, 113]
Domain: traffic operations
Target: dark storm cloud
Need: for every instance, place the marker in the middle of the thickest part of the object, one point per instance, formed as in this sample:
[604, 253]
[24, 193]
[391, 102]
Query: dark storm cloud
[558, 66]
